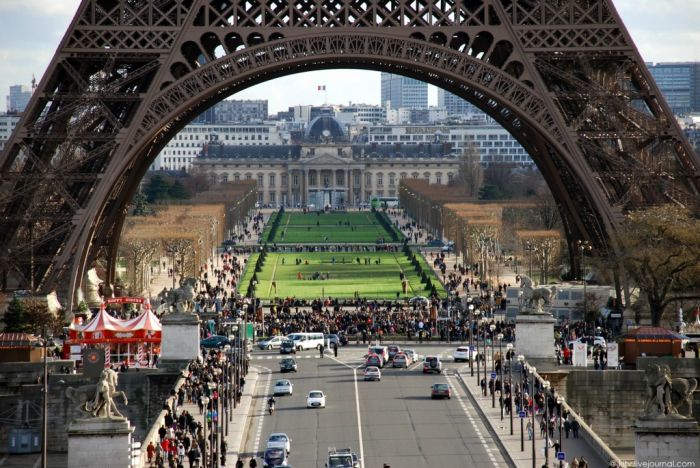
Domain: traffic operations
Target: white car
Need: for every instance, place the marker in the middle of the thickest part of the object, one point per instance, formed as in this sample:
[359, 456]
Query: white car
[271, 342]
[316, 399]
[462, 354]
[412, 355]
[279, 440]
[283, 387]
[372, 373]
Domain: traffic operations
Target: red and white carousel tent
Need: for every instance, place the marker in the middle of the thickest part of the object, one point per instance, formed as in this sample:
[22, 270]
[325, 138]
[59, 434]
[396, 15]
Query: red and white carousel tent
[134, 341]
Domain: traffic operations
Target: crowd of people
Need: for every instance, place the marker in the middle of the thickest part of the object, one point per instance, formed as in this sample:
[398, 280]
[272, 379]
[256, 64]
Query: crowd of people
[182, 436]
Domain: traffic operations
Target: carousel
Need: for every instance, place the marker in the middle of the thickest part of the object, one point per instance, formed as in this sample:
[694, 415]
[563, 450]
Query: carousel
[135, 341]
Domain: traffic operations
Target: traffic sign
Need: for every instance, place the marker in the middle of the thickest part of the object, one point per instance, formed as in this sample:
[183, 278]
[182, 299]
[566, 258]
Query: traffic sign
[493, 375]
[522, 414]
[561, 456]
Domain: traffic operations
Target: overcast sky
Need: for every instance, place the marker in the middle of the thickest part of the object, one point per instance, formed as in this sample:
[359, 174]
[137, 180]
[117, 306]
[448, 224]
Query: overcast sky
[30, 30]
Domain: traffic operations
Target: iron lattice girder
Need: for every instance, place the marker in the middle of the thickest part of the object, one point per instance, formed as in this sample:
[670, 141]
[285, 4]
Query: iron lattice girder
[129, 74]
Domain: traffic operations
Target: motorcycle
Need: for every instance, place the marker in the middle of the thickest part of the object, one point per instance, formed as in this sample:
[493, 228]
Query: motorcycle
[270, 408]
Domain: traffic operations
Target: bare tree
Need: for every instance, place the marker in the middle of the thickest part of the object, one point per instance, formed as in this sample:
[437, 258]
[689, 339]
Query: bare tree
[470, 174]
[547, 210]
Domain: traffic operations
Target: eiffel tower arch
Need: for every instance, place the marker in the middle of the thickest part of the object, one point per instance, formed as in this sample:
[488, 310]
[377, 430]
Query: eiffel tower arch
[563, 76]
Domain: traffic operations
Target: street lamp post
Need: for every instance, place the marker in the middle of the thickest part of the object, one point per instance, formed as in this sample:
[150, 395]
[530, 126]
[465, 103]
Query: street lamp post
[205, 402]
[471, 335]
[493, 367]
[560, 403]
[45, 404]
[533, 371]
[521, 360]
[477, 312]
[509, 352]
[545, 386]
[500, 368]
[583, 247]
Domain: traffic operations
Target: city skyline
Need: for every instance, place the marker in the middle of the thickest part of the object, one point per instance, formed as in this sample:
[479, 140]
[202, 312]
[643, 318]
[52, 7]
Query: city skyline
[663, 32]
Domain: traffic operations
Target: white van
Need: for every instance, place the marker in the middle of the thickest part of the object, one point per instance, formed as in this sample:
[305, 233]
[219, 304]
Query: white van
[306, 340]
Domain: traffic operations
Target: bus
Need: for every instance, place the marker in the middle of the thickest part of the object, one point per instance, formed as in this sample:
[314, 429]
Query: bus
[384, 202]
[306, 340]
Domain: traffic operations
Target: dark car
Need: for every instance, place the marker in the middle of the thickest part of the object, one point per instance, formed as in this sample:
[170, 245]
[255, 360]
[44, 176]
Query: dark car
[288, 365]
[274, 457]
[440, 390]
[287, 347]
[214, 341]
[393, 350]
[373, 360]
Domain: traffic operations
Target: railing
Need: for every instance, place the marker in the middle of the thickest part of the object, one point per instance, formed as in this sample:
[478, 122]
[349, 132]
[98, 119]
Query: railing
[152, 434]
[595, 442]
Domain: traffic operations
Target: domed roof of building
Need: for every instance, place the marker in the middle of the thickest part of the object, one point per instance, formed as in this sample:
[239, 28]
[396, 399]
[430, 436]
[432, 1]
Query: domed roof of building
[325, 127]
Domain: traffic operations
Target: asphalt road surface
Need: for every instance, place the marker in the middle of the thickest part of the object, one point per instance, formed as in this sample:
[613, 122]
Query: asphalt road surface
[393, 421]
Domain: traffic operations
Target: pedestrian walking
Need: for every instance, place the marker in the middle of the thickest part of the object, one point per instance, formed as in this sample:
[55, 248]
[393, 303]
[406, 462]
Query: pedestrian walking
[321, 349]
[253, 463]
[529, 430]
[575, 427]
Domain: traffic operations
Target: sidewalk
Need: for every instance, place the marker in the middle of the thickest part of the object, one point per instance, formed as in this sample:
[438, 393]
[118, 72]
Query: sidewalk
[573, 448]
[238, 421]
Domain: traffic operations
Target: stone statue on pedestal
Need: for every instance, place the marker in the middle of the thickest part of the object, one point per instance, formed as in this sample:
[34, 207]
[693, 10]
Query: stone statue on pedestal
[667, 397]
[534, 299]
[97, 400]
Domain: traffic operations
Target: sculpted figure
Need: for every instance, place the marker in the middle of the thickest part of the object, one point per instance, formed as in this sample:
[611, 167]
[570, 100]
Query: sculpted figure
[97, 400]
[666, 396]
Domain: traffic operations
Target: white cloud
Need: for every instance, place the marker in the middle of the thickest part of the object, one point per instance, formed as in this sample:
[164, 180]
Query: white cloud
[41, 7]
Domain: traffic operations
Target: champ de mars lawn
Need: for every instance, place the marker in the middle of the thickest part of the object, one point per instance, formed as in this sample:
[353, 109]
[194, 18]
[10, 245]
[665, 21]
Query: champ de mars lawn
[334, 227]
[310, 275]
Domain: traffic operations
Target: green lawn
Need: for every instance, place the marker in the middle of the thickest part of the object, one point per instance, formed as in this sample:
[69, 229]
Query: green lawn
[373, 281]
[315, 228]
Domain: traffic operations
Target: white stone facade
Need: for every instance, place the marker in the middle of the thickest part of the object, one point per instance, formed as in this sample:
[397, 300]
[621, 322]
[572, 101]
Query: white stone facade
[328, 174]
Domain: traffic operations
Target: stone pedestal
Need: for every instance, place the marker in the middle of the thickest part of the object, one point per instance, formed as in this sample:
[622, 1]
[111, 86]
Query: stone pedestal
[99, 443]
[534, 338]
[663, 439]
[179, 339]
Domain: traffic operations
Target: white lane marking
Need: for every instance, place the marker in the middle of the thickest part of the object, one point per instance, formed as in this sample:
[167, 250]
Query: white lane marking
[359, 420]
[263, 409]
[477, 430]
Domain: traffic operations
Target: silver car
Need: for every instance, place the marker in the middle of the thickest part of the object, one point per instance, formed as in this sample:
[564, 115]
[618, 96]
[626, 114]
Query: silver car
[271, 342]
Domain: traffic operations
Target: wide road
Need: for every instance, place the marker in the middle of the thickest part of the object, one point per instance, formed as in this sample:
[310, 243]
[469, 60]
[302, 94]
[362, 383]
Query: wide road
[393, 421]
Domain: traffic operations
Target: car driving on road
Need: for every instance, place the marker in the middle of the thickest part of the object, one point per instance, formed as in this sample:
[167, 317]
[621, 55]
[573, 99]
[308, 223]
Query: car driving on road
[372, 373]
[432, 364]
[283, 387]
[393, 351]
[344, 458]
[400, 360]
[316, 399]
[214, 341]
[274, 457]
[373, 360]
[287, 347]
[279, 440]
[440, 390]
[462, 353]
[411, 355]
[288, 365]
[271, 342]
